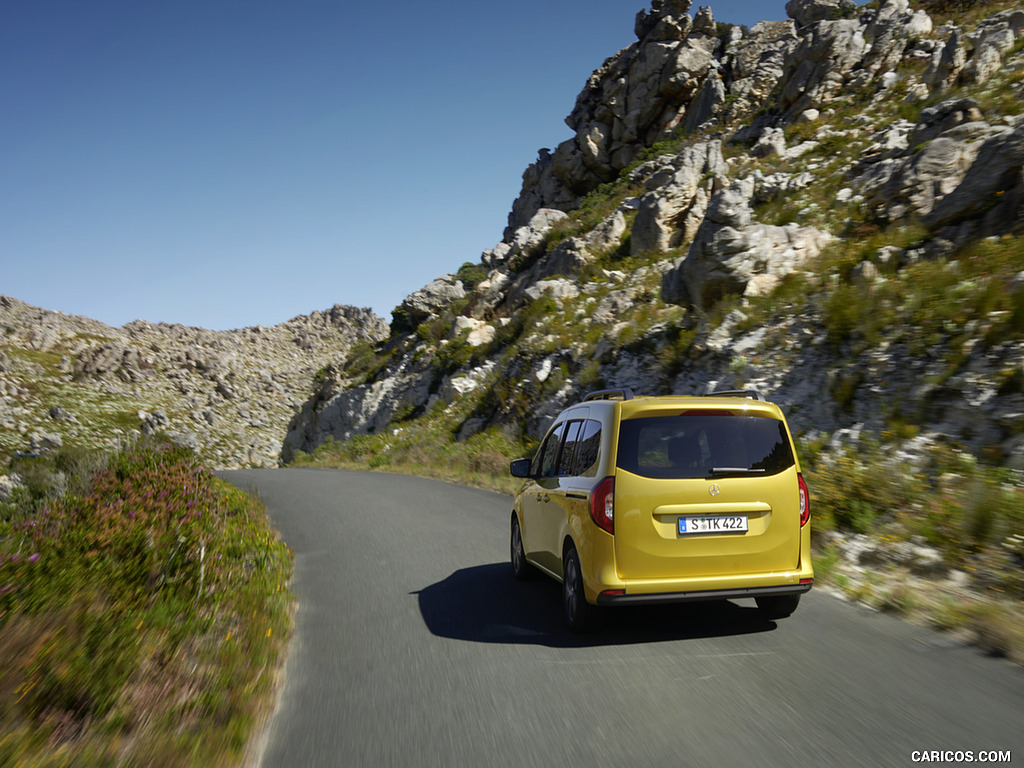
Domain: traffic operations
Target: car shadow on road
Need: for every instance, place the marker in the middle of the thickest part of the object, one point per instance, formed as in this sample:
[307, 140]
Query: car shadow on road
[485, 604]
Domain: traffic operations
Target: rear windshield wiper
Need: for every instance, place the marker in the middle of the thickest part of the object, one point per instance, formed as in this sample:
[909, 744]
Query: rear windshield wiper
[734, 471]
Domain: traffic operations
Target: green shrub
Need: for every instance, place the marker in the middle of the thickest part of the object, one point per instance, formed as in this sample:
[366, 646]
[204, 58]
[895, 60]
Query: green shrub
[471, 275]
[364, 361]
[857, 490]
[145, 580]
[400, 321]
[965, 508]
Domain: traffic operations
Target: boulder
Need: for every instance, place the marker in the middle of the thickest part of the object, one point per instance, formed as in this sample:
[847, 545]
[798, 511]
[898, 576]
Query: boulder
[706, 103]
[671, 214]
[920, 24]
[541, 188]
[772, 141]
[45, 442]
[479, 331]
[767, 188]
[559, 288]
[942, 149]
[112, 358]
[431, 299]
[946, 63]
[613, 305]
[805, 12]
[528, 240]
[828, 53]
[666, 20]
[887, 33]
[607, 236]
[936, 120]
[8, 485]
[58, 413]
[758, 61]
[994, 42]
[731, 250]
[996, 171]
[566, 260]
[156, 421]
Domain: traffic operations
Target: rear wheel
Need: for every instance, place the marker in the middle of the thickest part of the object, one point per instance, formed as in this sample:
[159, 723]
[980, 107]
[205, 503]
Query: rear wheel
[580, 615]
[777, 606]
[521, 569]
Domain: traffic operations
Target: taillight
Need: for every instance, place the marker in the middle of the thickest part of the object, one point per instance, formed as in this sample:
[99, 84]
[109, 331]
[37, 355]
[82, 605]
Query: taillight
[805, 501]
[602, 504]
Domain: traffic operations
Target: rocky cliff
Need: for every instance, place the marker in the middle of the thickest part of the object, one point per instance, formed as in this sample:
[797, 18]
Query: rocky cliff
[228, 394]
[827, 208]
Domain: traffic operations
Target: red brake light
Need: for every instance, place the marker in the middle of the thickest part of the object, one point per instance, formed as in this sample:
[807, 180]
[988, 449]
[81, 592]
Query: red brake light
[602, 504]
[805, 501]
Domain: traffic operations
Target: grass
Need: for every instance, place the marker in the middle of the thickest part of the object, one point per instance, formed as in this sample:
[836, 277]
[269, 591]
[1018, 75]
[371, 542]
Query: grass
[974, 293]
[143, 612]
[101, 415]
[964, 12]
[480, 462]
[948, 499]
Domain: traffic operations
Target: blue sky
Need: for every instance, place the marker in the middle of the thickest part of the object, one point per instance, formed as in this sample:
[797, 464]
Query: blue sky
[227, 163]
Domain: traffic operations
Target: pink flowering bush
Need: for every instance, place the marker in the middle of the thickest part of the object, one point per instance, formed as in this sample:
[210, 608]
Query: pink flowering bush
[156, 577]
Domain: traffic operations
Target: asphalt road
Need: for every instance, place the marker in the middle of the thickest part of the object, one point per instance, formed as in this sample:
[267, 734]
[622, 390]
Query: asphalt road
[414, 647]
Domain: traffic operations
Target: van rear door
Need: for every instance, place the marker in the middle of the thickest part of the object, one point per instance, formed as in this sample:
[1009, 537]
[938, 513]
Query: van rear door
[705, 492]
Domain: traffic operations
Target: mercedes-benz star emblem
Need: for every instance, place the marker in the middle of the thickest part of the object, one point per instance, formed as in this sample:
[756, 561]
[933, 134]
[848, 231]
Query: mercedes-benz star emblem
[714, 490]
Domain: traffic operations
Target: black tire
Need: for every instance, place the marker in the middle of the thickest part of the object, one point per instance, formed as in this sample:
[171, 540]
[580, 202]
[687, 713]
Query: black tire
[777, 606]
[521, 569]
[580, 616]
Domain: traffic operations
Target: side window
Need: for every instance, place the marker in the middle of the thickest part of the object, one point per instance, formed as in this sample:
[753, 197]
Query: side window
[546, 458]
[567, 464]
[589, 449]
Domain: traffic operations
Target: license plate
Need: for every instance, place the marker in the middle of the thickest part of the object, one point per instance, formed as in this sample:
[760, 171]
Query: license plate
[716, 524]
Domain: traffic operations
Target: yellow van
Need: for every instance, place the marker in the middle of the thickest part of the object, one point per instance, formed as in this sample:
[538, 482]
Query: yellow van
[633, 499]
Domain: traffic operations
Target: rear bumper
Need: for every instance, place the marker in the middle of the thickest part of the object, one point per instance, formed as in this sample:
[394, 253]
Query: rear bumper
[654, 598]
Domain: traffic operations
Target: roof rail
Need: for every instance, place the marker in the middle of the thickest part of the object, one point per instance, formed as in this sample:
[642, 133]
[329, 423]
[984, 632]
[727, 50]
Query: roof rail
[610, 394]
[753, 394]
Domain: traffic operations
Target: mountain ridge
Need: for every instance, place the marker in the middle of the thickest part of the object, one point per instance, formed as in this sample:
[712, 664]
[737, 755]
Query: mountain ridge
[68, 379]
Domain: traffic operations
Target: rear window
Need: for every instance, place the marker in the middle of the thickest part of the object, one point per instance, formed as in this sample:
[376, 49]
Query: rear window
[699, 444]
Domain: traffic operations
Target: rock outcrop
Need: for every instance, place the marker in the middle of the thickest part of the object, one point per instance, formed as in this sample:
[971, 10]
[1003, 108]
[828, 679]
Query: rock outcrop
[732, 255]
[680, 188]
[683, 74]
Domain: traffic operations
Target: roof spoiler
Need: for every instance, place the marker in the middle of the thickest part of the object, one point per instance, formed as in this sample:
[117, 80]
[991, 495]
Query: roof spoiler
[753, 394]
[610, 394]
[627, 394]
